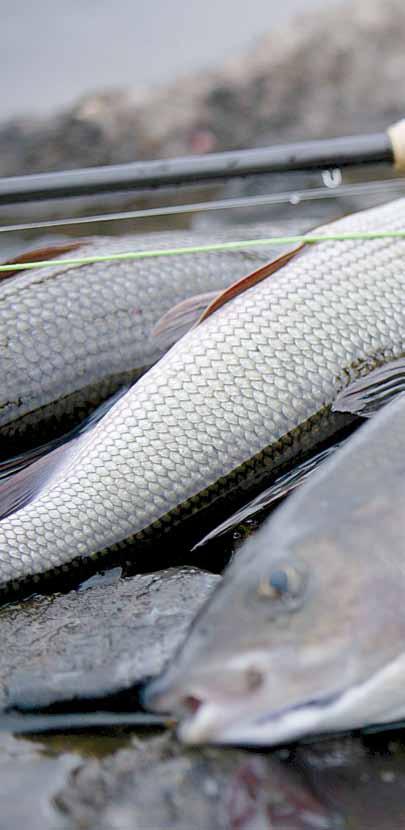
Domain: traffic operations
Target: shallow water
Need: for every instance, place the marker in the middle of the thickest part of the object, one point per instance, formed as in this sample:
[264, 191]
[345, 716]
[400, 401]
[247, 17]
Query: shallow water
[123, 781]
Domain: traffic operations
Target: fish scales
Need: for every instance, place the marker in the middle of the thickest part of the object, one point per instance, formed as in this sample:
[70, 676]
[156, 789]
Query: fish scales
[71, 335]
[248, 388]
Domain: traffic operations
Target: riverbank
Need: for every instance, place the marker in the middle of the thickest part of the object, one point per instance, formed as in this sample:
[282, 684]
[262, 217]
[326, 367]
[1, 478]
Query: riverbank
[315, 76]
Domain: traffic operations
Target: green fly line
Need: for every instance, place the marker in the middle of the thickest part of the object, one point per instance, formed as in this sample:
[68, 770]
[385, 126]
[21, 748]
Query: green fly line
[201, 249]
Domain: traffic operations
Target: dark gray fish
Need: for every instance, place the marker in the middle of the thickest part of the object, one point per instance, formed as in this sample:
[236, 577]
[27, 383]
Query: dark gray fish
[306, 632]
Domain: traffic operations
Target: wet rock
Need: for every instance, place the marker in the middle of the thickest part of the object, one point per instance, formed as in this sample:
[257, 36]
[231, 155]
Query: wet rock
[98, 129]
[115, 782]
[311, 78]
[98, 641]
[28, 782]
[364, 779]
[158, 784]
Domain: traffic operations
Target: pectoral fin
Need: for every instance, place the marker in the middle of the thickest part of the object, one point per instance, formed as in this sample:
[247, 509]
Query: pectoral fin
[23, 486]
[367, 395]
[24, 476]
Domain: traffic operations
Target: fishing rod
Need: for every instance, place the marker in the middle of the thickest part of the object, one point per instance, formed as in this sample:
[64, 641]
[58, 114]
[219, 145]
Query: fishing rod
[375, 148]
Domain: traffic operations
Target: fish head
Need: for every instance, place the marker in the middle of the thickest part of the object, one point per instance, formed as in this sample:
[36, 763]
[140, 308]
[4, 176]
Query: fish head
[288, 634]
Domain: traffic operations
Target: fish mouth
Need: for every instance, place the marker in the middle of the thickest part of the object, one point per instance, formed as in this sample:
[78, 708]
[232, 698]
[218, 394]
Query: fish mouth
[241, 721]
[213, 722]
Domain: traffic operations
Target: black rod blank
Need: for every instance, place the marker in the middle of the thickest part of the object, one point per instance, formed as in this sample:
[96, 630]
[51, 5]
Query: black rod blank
[309, 155]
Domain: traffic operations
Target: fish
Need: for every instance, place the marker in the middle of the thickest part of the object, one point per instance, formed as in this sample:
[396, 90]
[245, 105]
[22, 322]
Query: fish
[305, 634]
[71, 335]
[239, 399]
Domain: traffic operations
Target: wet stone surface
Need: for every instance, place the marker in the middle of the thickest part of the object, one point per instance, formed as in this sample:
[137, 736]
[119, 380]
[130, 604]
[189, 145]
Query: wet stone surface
[113, 781]
[63, 649]
[29, 780]
[99, 640]
[209, 789]
[363, 779]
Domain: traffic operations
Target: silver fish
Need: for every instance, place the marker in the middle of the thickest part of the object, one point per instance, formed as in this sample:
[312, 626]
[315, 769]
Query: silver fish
[235, 402]
[306, 632]
[70, 336]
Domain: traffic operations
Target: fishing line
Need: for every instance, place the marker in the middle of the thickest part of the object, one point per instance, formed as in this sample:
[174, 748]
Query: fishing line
[200, 249]
[293, 198]
[30, 724]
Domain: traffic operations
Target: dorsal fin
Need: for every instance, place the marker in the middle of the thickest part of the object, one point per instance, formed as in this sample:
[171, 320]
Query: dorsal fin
[39, 254]
[180, 318]
[192, 311]
[242, 285]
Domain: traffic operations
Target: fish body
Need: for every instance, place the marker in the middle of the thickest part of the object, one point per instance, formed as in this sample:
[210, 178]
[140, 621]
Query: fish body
[234, 402]
[306, 632]
[71, 335]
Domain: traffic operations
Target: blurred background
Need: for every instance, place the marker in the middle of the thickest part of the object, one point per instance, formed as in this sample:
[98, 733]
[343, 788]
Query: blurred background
[53, 52]
[94, 82]
[98, 82]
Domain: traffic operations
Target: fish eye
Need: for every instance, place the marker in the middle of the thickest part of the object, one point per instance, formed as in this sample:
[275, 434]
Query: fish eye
[279, 581]
[283, 582]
